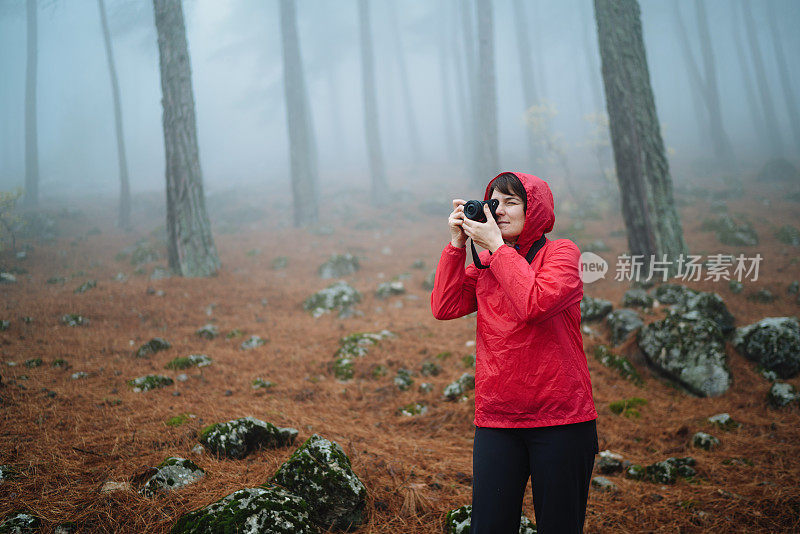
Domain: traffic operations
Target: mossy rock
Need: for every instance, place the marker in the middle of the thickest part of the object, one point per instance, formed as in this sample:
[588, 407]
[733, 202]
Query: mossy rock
[7, 472]
[338, 266]
[260, 383]
[33, 362]
[593, 309]
[665, 472]
[73, 319]
[171, 474]
[338, 296]
[623, 322]
[637, 297]
[342, 368]
[356, 345]
[388, 289]
[788, 235]
[781, 394]
[430, 368]
[705, 441]
[4, 325]
[149, 382]
[621, 364]
[731, 232]
[193, 360]
[709, 305]
[458, 521]
[608, 463]
[689, 349]
[208, 331]
[151, 347]
[414, 408]
[773, 343]
[735, 286]
[724, 421]
[268, 510]
[253, 342]
[239, 437]
[20, 523]
[403, 380]
[86, 286]
[319, 471]
[763, 295]
[456, 390]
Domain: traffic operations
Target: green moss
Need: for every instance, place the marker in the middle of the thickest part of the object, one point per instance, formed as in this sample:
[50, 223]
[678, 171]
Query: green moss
[149, 382]
[59, 362]
[627, 407]
[234, 333]
[193, 360]
[178, 420]
[33, 362]
[619, 363]
[443, 355]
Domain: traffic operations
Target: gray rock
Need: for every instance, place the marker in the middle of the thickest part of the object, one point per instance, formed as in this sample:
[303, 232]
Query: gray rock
[603, 484]
[782, 394]
[458, 522]
[387, 289]
[239, 437]
[672, 293]
[665, 472]
[690, 350]
[73, 319]
[593, 309]
[623, 323]
[149, 382]
[457, 389]
[252, 342]
[319, 472]
[637, 297]
[7, 278]
[193, 360]
[339, 265]
[414, 408]
[151, 347]
[773, 343]
[709, 305]
[794, 288]
[764, 296]
[173, 473]
[705, 441]
[208, 331]
[86, 286]
[735, 286]
[723, 421]
[403, 380]
[730, 232]
[267, 510]
[608, 462]
[20, 523]
[788, 235]
[339, 296]
[79, 375]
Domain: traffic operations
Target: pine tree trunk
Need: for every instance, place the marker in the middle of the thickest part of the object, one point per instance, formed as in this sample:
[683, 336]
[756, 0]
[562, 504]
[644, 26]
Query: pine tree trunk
[722, 145]
[448, 121]
[468, 35]
[526, 71]
[124, 219]
[462, 91]
[302, 155]
[788, 94]
[645, 185]
[590, 53]
[31, 199]
[190, 245]
[773, 132]
[411, 118]
[380, 190]
[695, 81]
[487, 95]
[759, 126]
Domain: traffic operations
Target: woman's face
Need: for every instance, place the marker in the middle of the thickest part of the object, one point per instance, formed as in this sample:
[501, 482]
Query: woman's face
[510, 215]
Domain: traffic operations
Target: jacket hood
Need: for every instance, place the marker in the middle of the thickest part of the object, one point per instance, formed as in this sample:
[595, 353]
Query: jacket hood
[540, 211]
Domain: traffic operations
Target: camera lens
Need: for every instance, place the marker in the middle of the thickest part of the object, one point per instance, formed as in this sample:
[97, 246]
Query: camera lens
[474, 210]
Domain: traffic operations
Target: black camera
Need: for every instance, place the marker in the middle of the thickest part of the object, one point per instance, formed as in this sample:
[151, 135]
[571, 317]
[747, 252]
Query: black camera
[473, 209]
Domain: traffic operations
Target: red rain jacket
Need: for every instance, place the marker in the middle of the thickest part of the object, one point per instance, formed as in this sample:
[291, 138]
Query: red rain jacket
[530, 368]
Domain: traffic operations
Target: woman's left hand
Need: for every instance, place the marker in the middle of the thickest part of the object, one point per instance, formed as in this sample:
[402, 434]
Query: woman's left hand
[486, 235]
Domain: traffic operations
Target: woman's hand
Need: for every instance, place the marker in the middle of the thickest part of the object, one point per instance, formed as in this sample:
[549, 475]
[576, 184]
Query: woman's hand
[457, 236]
[487, 234]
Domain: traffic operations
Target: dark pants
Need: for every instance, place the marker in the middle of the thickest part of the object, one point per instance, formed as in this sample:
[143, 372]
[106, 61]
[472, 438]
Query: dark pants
[559, 459]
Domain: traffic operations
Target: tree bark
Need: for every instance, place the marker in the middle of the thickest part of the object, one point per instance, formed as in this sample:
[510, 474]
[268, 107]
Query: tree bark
[124, 218]
[783, 71]
[31, 199]
[302, 156]
[526, 71]
[648, 207]
[380, 190]
[190, 245]
[773, 132]
[488, 163]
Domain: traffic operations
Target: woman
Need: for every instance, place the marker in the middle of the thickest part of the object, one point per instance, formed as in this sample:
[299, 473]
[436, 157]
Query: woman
[534, 412]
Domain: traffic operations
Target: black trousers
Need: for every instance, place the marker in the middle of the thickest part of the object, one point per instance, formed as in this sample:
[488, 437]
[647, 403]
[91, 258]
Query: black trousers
[559, 460]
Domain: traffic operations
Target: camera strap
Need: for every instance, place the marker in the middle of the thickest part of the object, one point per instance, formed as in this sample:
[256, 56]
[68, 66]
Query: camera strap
[537, 245]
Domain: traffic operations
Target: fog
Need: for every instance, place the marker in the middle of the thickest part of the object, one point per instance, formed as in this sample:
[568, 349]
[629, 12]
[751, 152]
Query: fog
[235, 50]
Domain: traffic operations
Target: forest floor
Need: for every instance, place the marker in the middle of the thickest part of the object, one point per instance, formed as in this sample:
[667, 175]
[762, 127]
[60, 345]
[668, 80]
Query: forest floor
[65, 446]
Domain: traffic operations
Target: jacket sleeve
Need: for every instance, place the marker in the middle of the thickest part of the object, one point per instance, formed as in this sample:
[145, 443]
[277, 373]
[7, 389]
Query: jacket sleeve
[539, 294]
[453, 293]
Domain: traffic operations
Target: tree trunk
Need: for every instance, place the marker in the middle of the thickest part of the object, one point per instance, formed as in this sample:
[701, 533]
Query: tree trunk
[380, 190]
[488, 165]
[759, 126]
[31, 137]
[695, 81]
[788, 94]
[648, 207]
[448, 121]
[722, 145]
[124, 219]
[190, 245]
[468, 34]
[302, 155]
[591, 59]
[411, 118]
[462, 92]
[773, 132]
[526, 70]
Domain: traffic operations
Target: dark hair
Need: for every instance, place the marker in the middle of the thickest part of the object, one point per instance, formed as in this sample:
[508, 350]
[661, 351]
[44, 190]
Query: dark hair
[508, 184]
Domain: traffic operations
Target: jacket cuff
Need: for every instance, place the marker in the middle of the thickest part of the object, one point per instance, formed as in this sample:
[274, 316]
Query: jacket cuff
[455, 250]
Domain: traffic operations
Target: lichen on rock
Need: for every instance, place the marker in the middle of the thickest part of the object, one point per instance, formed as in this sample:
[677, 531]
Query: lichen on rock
[193, 360]
[338, 296]
[593, 309]
[773, 343]
[339, 265]
[171, 474]
[623, 322]
[239, 437]
[151, 347]
[458, 522]
[20, 523]
[263, 510]
[319, 471]
[148, 382]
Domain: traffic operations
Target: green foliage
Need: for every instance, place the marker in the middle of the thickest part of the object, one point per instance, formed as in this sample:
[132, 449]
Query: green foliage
[627, 407]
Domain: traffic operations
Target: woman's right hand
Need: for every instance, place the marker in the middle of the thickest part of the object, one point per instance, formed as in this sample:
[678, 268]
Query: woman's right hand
[457, 236]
